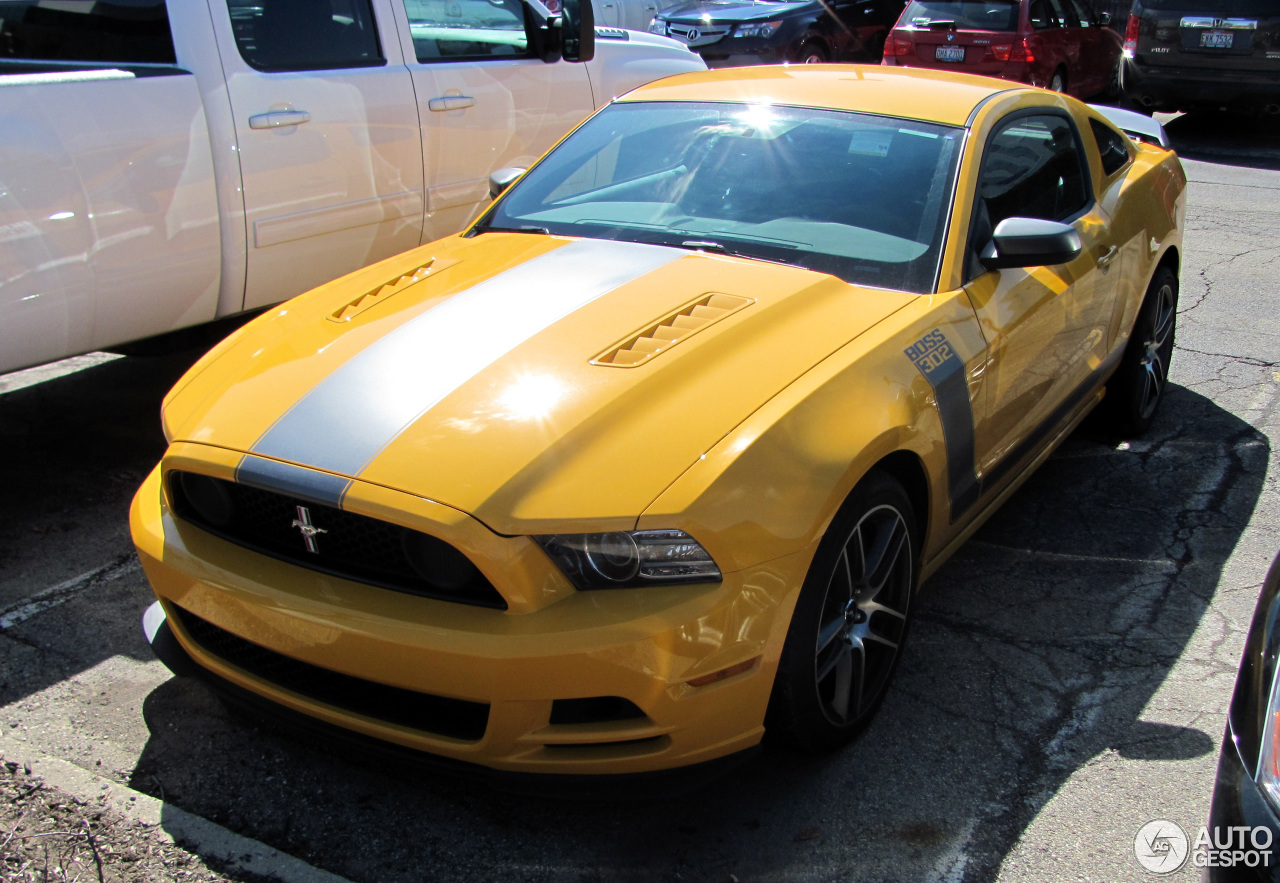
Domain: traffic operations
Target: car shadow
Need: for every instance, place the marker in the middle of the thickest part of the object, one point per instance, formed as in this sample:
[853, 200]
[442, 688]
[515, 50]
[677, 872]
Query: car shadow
[1240, 139]
[1035, 651]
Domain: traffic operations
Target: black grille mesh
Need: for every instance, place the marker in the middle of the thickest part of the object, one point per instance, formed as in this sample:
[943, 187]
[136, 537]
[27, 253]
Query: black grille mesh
[456, 718]
[352, 546]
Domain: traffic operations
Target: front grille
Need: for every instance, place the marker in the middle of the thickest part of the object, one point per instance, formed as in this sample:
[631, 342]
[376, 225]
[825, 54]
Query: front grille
[455, 718]
[344, 544]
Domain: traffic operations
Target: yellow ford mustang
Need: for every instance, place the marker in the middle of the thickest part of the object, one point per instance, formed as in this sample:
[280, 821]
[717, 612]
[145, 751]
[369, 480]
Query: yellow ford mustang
[654, 456]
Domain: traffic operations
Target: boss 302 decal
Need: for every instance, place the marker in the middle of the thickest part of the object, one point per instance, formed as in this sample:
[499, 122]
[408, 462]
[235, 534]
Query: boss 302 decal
[937, 360]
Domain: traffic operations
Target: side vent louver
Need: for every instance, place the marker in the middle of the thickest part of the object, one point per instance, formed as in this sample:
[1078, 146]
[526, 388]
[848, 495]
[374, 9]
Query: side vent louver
[671, 330]
[380, 294]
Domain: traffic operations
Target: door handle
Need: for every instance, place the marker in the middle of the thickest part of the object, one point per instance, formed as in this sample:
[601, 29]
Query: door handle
[1107, 258]
[451, 102]
[277, 118]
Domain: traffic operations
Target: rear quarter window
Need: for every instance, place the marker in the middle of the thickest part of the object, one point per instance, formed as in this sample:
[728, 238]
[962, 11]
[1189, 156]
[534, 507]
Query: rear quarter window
[85, 31]
[1112, 146]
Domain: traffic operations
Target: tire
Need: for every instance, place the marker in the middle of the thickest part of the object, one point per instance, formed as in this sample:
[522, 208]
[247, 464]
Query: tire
[811, 53]
[1058, 82]
[850, 621]
[1114, 92]
[1136, 390]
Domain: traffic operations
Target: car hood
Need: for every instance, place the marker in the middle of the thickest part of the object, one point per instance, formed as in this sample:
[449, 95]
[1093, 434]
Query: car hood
[534, 382]
[730, 10]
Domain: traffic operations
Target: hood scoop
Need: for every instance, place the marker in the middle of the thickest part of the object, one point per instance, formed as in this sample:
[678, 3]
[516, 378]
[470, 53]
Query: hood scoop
[671, 330]
[383, 292]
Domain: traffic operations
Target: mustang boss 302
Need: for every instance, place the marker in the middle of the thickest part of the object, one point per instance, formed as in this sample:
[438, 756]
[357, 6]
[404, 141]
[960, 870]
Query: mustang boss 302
[653, 457]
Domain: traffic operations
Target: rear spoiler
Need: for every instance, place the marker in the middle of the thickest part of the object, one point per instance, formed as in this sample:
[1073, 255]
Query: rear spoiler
[1137, 126]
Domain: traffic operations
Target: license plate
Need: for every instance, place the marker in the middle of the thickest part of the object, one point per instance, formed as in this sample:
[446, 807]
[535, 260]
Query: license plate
[950, 53]
[1216, 40]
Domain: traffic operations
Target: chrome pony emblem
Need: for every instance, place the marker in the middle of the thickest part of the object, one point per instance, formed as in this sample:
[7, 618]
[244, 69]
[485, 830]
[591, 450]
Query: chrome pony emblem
[309, 530]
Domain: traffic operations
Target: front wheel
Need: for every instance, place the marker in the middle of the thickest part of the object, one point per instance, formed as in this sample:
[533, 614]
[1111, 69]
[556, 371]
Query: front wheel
[811, 53]
[850, 621]
[1136, 389]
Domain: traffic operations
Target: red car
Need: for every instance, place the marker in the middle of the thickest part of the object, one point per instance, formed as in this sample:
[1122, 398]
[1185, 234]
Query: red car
[1060, 44]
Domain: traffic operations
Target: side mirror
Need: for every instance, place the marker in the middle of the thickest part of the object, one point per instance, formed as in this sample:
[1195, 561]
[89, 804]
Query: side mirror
[1030, 242]
[578, 30]
[501, 180]
[1104, 20]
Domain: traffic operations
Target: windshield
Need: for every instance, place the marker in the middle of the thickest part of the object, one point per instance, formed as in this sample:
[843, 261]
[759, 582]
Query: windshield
[973, 15]
[861, 197]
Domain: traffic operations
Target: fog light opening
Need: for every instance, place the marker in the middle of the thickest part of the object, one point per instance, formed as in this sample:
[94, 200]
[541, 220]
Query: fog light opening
[723, 674]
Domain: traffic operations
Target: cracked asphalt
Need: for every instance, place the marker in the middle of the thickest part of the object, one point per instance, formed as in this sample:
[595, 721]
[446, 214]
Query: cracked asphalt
[1066, 680]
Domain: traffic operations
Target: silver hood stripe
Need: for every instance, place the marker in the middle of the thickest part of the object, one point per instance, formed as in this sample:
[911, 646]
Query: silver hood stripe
[343, 423]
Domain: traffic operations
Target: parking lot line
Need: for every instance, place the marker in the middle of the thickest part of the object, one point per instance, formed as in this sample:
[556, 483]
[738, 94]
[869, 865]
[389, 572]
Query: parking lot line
[64, 591]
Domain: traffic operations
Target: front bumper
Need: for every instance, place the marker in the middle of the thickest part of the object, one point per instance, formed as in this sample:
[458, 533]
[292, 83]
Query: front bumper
[1180, 88]
[640, 645]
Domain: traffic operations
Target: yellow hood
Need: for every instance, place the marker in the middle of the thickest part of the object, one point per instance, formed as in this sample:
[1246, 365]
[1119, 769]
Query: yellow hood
[537, 383]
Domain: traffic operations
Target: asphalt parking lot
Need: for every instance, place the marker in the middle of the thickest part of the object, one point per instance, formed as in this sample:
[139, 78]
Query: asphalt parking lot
[1066, 680]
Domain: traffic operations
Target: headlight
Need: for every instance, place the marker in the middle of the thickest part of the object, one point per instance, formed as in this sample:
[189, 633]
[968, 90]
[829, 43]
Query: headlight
[1269, 762]
[757, 29]
[622, 559]
[658, 27]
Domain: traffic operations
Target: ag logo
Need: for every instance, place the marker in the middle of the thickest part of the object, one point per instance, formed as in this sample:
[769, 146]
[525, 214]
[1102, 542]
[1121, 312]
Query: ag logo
[1161, 846]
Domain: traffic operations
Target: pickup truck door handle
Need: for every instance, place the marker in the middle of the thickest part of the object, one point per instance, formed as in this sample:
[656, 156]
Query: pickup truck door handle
[1108, 257]
[451, 102]
[278, 118]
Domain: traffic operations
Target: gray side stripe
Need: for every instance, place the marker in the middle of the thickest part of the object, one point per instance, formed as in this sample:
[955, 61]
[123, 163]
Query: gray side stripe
[350, 416]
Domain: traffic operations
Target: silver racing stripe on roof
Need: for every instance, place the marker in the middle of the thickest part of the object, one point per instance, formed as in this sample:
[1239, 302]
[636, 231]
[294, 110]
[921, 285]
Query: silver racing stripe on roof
[348, 418]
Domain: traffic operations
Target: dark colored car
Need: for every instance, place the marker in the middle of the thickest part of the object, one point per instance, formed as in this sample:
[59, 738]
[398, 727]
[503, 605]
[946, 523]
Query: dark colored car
[1183, 54]
[734, 32]
[1247, 792]
[1058, 44]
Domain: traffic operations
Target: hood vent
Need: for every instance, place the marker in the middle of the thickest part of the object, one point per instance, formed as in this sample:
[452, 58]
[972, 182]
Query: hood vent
[671, 330]
[381, 293]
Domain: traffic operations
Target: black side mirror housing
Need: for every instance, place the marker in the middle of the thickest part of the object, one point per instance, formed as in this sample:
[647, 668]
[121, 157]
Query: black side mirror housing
[1030, 242]
[500, 180]
[578, 30]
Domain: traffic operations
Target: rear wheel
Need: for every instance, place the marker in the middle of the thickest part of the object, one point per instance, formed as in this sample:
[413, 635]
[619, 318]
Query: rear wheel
[1136, 390]
[850, 621]
[1058, 82]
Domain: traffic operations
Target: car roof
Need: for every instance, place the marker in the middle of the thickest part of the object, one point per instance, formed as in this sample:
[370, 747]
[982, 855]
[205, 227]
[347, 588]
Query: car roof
[933, 96]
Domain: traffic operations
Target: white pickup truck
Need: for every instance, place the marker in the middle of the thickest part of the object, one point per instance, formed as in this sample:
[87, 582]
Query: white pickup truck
[163, 167]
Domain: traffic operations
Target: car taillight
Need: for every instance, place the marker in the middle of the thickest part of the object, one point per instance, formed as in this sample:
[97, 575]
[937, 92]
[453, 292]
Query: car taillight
[1131, 36]
[1015, 52]
[898, 46]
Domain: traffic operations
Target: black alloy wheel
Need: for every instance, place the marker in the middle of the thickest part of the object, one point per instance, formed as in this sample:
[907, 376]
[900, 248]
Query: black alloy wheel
[847, 632]
[1135, 391]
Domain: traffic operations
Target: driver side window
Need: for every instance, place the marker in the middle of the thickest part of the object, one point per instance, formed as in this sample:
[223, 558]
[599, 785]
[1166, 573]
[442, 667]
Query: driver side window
[1032, 167]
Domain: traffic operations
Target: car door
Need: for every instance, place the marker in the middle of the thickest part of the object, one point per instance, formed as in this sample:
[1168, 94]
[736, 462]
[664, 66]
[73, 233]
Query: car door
[1047, 328]
[485, 100]
[327, 136]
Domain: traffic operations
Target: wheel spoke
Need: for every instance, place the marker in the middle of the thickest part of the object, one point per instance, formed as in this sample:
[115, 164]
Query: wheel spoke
[859, 676]
[829, 633]
[888, 560]
[872, 607]
[844, 677]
